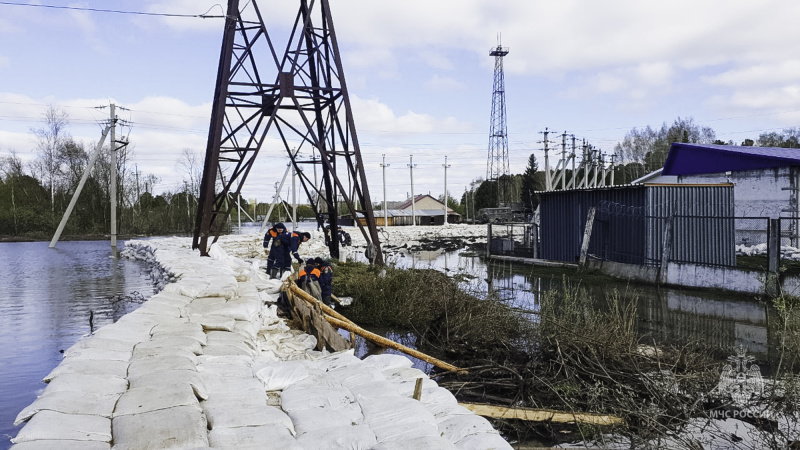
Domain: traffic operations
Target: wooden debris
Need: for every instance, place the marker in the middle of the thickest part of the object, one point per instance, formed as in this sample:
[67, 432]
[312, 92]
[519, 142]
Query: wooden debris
[313, 322]
[383, 342]
[541, 415]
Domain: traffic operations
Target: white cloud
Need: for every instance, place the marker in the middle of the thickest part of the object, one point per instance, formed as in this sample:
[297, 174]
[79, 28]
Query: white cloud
[373, 116]
[4, 61]
[440, 83]
[776, 72]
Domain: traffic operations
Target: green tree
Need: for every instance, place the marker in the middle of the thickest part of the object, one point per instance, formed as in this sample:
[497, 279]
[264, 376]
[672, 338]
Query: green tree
[530, 184]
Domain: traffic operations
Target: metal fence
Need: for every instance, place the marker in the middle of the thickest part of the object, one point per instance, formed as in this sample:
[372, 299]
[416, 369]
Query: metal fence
[514, 239]
[627, 236]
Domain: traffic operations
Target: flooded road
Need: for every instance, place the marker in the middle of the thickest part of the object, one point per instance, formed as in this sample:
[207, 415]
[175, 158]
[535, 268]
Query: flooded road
[46, 296]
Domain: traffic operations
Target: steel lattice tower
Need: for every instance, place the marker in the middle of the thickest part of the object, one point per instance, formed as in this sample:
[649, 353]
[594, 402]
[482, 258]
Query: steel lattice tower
[497, 164]
[292, 97]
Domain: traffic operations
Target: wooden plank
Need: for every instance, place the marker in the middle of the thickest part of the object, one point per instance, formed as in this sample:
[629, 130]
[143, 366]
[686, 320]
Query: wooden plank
[383, 342]
[541, 415]
[314, 323]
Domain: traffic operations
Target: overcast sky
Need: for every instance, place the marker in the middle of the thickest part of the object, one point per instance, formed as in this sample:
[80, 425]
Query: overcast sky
[419, 76]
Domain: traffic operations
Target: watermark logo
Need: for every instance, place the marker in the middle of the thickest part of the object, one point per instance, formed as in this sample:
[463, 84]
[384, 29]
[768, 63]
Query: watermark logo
[740, 379]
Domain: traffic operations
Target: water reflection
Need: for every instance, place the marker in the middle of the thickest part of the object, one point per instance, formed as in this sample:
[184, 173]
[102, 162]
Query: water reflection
[719, 320]
[46, 296]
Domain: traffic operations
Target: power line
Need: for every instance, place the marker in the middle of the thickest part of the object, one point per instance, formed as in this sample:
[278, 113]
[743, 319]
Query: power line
[114, 11]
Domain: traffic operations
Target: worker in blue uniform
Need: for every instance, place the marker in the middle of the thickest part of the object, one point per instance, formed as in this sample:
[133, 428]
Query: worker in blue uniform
[274, 243]
[325, 280]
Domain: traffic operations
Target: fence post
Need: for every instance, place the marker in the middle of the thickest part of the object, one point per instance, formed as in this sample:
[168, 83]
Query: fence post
[587, 234]
[773, 256]
[489, 239]
[773, 245]
[666, 249]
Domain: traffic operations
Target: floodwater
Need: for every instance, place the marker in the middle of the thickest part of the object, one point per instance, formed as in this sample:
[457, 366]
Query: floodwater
[46, 296]
[724, 321]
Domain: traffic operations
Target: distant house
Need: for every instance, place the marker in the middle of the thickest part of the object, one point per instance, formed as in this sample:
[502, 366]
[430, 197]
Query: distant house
[427, 211]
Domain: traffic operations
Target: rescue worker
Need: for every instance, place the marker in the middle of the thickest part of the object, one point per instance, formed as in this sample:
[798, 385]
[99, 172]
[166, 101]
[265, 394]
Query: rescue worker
[325, 280]
[308, 279]
[273, 247]
[290, 243]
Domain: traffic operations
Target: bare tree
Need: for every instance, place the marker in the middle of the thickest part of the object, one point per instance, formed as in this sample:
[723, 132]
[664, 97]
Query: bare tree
[11, 166]
[191, 164]
[50, 139]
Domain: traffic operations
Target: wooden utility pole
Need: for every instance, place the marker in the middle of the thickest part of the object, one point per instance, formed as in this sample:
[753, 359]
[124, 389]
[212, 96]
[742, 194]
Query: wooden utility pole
[113, 194]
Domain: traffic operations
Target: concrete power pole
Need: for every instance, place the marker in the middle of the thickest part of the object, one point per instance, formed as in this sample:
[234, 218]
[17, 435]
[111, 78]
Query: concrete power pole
[385, 211]
[548, 186]
[113, 181]
[411, 166]
[445, 188]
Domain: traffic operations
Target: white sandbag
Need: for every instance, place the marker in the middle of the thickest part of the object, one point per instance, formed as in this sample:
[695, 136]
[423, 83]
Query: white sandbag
[55, 425]
[179, 427]
[97, 354]
[406, 388]
[309, 420]
[253, 438]
[483, 442]
[187, 286]
[160, 310]
[171, 298]
[446, 411]
[267, 295]
[157, 364]
[101, 343]
[436, 396]
[130, 332]
[219, 386]
[282, 374]
[233, 414]
[388, 361]
[144, 352]
[397, 418]
[298, 397]
[89, 366]
[427, 442]
[336, 360]
[225, 286]
[213, 323]
[356, 437]
[458, 427]
[400, 375]
[201, 305]
[246, 329]
[354, 375]
[153, 398]
[61, 444]
[70, 402]
[190, 377]
[87, 383]
[185, 329]
[226, 366]
[178, 342]
[374, 389]
[229, 338]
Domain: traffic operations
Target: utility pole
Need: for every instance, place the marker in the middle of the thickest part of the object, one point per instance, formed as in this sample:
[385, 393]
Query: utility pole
[113, 181]
[548, 186]
[411, 166]
[445, 189]
[239, 211]
[385, 211]
[466, 204]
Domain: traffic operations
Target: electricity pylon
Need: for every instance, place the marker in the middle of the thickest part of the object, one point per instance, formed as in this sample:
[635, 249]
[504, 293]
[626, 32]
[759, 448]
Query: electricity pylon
[288, 97]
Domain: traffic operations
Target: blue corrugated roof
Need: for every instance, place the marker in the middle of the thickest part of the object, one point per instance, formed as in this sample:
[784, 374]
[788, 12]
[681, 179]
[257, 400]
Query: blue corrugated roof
[690, 159]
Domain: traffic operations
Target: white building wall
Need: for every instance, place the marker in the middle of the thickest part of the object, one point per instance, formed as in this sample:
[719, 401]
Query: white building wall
[757, 193]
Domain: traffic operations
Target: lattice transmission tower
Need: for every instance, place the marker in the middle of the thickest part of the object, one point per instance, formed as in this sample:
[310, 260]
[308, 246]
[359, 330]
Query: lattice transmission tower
[285, 92]
[497, 165]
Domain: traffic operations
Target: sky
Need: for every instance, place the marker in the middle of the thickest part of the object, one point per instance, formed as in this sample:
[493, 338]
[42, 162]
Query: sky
[419, 75]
